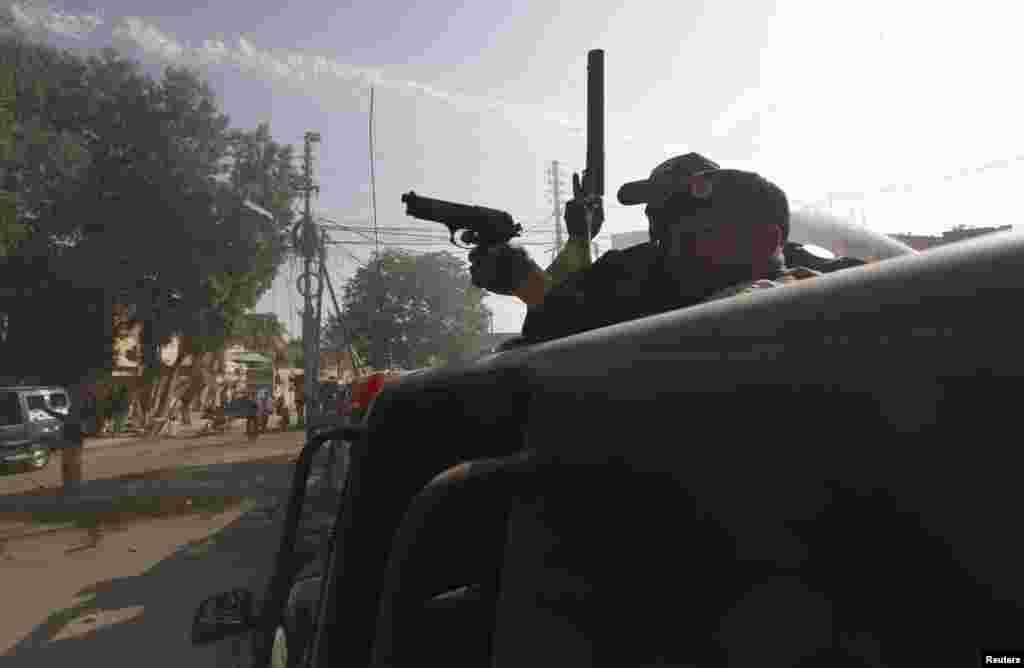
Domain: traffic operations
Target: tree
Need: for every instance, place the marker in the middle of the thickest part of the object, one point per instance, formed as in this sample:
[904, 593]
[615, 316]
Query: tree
[419, 310]
[12, 232]
[296, 354]
[262, 333]
[133, 193]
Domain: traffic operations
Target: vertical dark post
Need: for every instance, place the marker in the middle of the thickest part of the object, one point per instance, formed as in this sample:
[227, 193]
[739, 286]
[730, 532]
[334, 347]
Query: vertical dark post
[593, 176]
[71, 455]
[595, 122]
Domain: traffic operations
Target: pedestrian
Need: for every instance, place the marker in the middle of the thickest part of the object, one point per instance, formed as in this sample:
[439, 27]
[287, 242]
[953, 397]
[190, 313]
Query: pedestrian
[267, 408]
[119, 406]
[345, 405]
[282, 410]
[253, 418]
[300, 404]
[89, 410]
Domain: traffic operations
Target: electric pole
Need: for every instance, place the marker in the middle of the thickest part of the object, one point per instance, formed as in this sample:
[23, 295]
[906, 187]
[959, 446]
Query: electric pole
[310, 246]
[555, 181]
[557, 213]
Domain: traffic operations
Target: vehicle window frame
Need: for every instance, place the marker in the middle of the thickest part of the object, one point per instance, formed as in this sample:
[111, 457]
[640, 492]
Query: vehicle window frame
[33, 416]
[21, 410]
[58, 393]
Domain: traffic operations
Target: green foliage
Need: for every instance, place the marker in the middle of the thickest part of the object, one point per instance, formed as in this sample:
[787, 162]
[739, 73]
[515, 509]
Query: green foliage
[260, 325]
[263, 333]
[12, 232]
[135, 189]
[56, 332]
[296, 354]
[422, 310]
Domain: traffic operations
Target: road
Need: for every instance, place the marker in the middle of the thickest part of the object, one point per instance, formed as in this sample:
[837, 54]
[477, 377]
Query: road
[111, 458]
[123, 590]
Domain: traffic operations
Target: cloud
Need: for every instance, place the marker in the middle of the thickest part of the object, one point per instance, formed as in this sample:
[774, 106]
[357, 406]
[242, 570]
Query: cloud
[280, 65]
[300, 68]
[34, 17]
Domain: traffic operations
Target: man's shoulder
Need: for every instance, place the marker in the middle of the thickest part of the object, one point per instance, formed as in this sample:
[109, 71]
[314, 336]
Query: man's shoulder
[617, 267]
[626, 264]
[640, 254]
[617, 287]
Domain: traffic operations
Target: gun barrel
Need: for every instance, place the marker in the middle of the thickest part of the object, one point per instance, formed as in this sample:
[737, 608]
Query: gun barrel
[595, 119]
[438, 211]
[486, 222]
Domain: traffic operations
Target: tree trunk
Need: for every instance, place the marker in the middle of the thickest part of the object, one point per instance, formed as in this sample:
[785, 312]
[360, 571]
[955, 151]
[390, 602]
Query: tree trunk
[217, 367]
[144, 400]
[176, 404]
[167, 391]
[196, 386]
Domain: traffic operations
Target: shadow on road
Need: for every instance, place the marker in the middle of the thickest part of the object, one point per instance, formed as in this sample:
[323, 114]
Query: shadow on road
[246, 478]
[145, 619]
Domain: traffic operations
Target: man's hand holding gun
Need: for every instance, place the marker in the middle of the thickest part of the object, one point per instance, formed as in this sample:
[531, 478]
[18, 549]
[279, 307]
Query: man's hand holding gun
[502, 267]
[495, 264]
[508, 270]
[505, 269]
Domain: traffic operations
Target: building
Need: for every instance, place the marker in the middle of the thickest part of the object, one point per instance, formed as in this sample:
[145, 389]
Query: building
[629, 239]
[233, 378]
[842, 238]
[490, 341]
[923, 242]
[337, 364]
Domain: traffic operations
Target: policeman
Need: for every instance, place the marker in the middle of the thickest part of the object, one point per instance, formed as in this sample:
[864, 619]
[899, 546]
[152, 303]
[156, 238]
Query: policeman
[714, 233]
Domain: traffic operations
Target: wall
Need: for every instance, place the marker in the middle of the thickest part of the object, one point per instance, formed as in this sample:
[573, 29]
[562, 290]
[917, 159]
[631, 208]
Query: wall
[923, 242]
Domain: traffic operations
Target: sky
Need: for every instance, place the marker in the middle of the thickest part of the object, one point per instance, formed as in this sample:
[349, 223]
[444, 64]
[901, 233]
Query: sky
[904, 116]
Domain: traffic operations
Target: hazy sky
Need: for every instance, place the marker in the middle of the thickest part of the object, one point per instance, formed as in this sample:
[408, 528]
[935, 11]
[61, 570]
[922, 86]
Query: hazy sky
[474, 99]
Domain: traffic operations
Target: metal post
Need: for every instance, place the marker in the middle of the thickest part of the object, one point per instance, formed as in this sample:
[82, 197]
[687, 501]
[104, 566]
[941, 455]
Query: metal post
[310, 251]
[557, 213]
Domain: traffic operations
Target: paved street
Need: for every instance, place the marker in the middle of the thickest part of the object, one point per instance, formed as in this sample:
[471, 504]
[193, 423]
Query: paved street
[112, 457]
[122, 589]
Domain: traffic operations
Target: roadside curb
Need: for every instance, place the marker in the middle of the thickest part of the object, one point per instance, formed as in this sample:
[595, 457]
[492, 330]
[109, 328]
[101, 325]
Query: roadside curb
[98, 502]
[265, 495]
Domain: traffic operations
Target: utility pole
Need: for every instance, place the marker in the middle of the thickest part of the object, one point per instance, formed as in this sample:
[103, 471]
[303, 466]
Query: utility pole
[557, 212]
[554, 179]
[310, 243]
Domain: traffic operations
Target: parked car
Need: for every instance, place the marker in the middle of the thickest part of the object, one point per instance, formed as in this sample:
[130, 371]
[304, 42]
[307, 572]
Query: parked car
[28, 433]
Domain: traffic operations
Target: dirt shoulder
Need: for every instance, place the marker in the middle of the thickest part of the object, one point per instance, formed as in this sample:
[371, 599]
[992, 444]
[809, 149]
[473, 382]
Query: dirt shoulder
[126, 596]
[118, 584]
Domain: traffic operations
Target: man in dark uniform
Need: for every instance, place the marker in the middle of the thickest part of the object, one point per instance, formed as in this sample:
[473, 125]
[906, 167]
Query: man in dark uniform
[714, 233]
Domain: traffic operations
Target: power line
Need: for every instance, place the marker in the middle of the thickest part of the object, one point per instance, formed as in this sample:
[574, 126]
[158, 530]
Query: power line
[329, 224]
[422, 234]
[440, 244]
[344, 250]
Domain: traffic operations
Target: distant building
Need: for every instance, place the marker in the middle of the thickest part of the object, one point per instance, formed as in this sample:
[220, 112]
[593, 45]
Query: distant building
[629, 239]
[916, 241]
[339, 364]
[489, 342]
[923, 242]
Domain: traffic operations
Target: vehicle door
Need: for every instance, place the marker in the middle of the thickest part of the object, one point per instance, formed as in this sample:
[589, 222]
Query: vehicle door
[41, 425]
[13, 425]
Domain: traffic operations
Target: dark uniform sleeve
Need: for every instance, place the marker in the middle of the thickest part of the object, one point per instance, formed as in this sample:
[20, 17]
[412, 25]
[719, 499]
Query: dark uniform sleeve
[605, 293]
